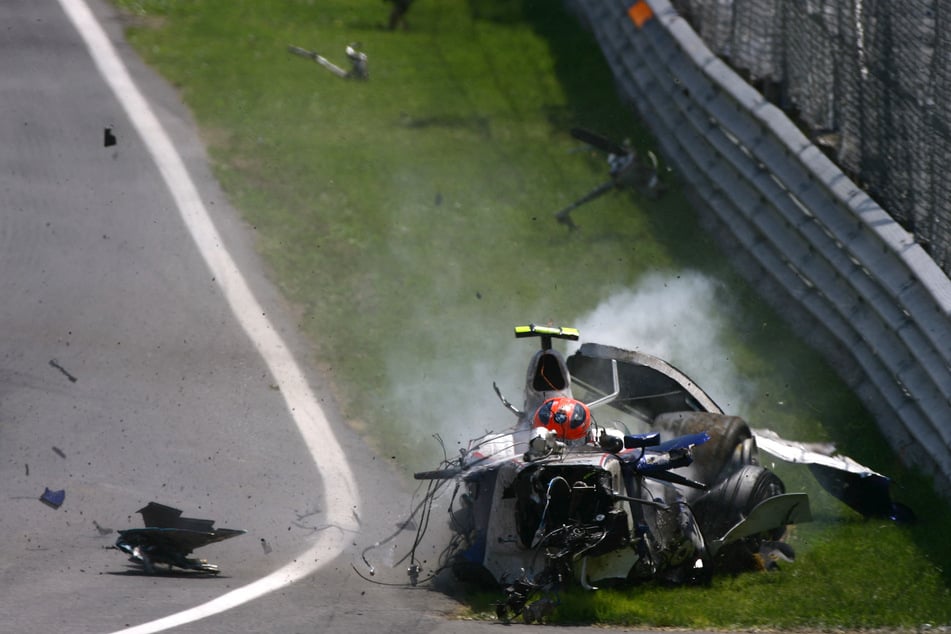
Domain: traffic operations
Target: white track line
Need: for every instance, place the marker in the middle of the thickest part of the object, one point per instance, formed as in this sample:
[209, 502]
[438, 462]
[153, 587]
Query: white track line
[341, 500]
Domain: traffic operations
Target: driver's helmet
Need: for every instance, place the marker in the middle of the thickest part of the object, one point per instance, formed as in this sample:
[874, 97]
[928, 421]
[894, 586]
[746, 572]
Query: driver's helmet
[568, 418]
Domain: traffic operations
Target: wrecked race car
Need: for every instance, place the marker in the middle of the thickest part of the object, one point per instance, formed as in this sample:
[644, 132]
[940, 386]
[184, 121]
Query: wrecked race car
[659, 485]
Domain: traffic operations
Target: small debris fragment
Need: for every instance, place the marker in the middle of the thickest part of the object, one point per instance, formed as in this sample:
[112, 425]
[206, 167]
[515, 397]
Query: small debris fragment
[53, 499]
[55, 364]
[102, 530]
[168, 538]
[109, 138]
[398, 14]
[59, 452]
[358, 61]
[266, 547]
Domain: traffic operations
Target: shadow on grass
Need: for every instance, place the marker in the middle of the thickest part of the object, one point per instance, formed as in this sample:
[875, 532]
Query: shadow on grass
[579, 65]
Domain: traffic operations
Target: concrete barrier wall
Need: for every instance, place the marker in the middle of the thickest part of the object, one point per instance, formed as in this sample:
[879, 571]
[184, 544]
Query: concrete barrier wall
[853, 282]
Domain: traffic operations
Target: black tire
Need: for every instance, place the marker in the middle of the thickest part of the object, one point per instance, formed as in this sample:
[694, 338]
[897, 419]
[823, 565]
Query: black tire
[721, 508]
[731, 445]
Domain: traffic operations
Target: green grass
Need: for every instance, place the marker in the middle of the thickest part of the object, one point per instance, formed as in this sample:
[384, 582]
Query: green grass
[409, 217]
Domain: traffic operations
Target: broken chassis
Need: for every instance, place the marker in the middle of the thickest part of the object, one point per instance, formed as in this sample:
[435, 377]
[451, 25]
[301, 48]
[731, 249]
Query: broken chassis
[606, 514]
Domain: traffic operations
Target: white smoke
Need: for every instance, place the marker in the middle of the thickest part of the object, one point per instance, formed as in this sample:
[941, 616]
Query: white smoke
[451, 396]
[679, 319]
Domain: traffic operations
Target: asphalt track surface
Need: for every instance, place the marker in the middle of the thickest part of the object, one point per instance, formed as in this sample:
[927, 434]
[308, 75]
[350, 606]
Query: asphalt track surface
[126, 376]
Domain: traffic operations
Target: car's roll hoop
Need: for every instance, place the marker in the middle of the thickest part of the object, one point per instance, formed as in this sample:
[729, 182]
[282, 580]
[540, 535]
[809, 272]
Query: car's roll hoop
[547, 333]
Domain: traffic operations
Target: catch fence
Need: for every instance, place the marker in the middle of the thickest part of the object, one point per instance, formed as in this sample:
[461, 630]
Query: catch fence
[870, 81]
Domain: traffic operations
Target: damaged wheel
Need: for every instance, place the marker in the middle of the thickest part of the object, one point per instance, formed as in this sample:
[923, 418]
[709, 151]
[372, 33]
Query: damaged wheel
[722, 507]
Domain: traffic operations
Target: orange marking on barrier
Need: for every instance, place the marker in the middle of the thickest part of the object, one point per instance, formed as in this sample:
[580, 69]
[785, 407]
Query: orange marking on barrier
[640, 12]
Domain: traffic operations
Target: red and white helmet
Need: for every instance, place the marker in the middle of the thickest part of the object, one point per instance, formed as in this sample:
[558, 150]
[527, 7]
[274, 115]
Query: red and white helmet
[568, 418]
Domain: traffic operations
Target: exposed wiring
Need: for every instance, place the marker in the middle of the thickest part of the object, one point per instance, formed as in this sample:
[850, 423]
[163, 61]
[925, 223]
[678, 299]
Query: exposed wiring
[422, 512]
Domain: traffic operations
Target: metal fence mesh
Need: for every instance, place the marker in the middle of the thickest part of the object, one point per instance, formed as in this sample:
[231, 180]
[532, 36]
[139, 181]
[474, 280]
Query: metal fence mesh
[869, 80]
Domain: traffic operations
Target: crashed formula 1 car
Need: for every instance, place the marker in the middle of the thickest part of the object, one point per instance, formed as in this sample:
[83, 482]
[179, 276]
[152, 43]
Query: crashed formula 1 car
[564, 498]
[168, 538]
